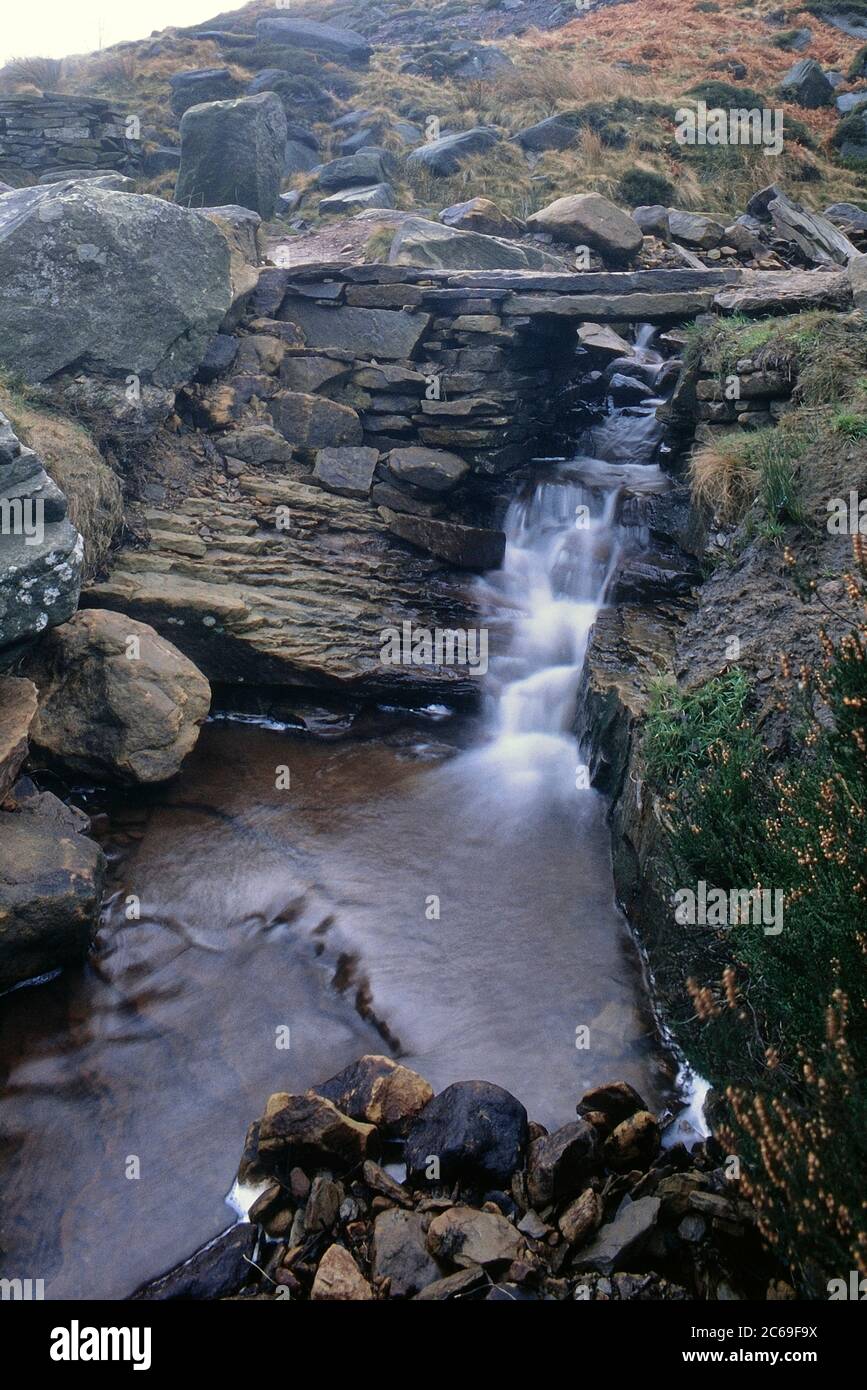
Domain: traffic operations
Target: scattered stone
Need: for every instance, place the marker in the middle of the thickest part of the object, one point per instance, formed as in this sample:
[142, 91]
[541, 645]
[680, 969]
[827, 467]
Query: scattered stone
[581, 1218]
[616, 1101]
[480, 215]
[338, 1278]
[378, 1090]
[306, 1129]
[400, 1253]
[457, 1285]
[806, 84]
[554, 133]
[351, 200]
[371, 166]
[466, 1237]
[622, 1239]
[444, 157]
[695, 229]
[603, 342]
[653, 221]
[476, 1130]
[559, 1164]
[634, 1143]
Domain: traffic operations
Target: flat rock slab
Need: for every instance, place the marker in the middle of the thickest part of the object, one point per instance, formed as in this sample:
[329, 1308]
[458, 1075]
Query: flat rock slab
[363, 333]
[640, 307]
[764, 291]
[621, 1239]
[468, 547]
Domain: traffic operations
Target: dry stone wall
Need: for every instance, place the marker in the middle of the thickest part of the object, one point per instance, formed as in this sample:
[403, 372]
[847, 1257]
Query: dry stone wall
[51, 133]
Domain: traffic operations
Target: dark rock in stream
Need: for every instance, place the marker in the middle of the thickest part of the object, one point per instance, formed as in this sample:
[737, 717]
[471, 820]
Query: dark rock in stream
[219, 1269]
[477, 1131]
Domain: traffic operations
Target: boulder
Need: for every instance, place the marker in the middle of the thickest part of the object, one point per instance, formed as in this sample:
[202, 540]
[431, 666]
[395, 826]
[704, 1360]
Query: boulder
[850, 101]
[445, 156]
[338, 1279]
[351, 200]
[201, 84]
[558, 1164]
[476, 1130]
[434, 470]
[346, 472]
[480, 215]
[695, 229]
[588, 219]
[370, 166]
[308, 1131]
[602, 341]
[313, 422]
[806, 84]
[51, 882]
[466, 1237]
[232, 152]
[379, 1091]
[554, 133]
[581, 1218]
[116, 701]
[653, 221]
[117, 283]
[333, 42]
[467, 547]
[620, 1240]
[240, 226]
[616, 1101]
[256, 444]
[399, 1253]
[298, 158]
[432, 244]
[17, 711]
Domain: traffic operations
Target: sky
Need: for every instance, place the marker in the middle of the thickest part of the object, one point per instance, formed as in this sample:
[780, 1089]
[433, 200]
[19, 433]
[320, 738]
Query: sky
[55, 28]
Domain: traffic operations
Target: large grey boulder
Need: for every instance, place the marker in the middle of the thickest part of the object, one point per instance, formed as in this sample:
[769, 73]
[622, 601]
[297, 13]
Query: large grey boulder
[445, 156]
[330, 40]
[589, 219]
[806, 84]
[233, 152]
[117, 283]
[695, 229]
[201, 84]
[298, 158]
[420, 242]
[350, 200]
[554, 133]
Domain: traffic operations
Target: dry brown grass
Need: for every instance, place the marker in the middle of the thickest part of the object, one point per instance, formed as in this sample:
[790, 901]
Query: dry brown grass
[722, 478]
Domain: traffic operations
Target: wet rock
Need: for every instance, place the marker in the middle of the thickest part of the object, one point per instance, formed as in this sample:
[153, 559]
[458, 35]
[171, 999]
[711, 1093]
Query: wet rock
[338, 1279]
[322, 1206]
[350, 200]
[625, 390]
[603, 342]
[18, 702]
[588, 219]
[332, 41]
[201, 84]
[381, 1182]
[370, 166]
[312, 422]
[480, 215]
[476, 1130]
[444, 157]
[116, 701]
[379, 1091]
[51, 882]
[458, 1285]
[695, 229]
[216, 1271]
[622, 1239]
[434, 470]
[347, 472]
[308, 1131]
[465, 1237]
[434, 245]
[634, 1143]
[232, 152]
[806, 84]
[559, 1164]
[400, 1254]
[78, 250]
[581, 1218]
[617, 1100]
[467, 547]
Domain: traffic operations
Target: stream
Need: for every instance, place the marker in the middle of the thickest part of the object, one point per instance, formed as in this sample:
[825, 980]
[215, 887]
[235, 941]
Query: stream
[430, 884]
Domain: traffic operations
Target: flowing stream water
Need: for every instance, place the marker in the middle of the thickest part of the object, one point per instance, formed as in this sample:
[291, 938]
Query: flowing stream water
[436, 886]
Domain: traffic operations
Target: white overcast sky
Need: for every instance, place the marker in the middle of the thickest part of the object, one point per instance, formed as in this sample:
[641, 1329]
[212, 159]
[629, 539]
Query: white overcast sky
[55, 28]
